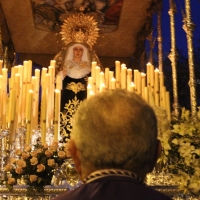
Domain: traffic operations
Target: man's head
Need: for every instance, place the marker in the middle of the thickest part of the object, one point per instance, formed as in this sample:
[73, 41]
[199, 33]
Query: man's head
[114, 129]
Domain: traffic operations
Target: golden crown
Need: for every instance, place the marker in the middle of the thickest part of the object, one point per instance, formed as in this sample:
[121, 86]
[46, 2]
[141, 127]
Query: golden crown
[79, 28]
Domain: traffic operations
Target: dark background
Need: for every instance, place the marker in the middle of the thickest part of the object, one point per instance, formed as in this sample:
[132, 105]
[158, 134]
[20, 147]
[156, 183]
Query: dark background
[181, 47]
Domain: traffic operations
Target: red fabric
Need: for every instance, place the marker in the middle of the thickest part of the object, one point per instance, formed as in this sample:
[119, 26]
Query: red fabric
[112, 15]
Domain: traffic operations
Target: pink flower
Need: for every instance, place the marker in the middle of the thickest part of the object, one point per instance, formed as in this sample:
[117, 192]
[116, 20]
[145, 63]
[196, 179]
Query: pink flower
[51, 162]
[19, 170]
[34, 161]
[11, 181]
[61, 154]
[33, 178]
[40, 168]
[48, 153]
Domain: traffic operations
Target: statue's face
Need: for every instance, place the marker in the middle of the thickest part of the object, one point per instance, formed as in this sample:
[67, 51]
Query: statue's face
[78, 52]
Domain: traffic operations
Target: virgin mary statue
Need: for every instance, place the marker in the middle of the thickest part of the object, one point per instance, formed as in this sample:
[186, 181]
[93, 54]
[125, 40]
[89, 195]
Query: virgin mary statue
[73, 64]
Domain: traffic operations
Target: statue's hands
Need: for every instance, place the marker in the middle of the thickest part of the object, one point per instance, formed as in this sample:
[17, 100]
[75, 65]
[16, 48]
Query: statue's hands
[86, 78]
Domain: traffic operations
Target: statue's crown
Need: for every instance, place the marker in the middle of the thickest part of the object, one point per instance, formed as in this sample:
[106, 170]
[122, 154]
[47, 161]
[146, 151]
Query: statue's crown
[79, 28]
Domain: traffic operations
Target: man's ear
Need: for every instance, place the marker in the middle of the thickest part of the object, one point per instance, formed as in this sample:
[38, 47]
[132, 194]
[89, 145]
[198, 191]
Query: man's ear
[159, 149]
[157, 153]
[75, 155]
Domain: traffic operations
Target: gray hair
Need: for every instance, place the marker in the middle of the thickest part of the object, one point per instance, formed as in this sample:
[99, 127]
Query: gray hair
[116, 129]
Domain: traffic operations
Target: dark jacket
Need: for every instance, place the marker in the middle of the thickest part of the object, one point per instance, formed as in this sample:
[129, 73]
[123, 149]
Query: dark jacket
[113, 188]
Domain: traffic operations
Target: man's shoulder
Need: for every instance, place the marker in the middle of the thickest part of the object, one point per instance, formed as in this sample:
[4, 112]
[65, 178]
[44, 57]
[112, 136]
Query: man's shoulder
[110, 190]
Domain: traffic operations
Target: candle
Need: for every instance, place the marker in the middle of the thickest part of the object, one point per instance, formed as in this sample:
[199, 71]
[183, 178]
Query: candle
[101, 79]
[117, 73]
[11, 115]
[146, 94]
[113, 83]
[135, 71]
[57, 115]
[143, 83]
[102, 87]
[138, 84]
[29, 117]
[1, 65]
[93, 75]
[44, 71]
[1, 97]
[59, 82]
[43, 115]
[148, 74]
[111, 75]
[123, 76]
[128, 82]
[132, 87]
[156, 88]
[4, 103]
[97, 77]
[152, 78]
[29, 71]
[89, 89]
[90, 81]
[48, 91]
[35, 107]
[53, 63]
[107, 78]
[18, 94]
[168, 108]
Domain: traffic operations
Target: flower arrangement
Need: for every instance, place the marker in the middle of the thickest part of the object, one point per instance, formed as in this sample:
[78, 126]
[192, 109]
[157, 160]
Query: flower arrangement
[184, 155]
[35, 165]
[164, 132]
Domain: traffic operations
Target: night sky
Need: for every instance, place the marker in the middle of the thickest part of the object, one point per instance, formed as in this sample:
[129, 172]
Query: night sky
[181, 41]
[181, 46]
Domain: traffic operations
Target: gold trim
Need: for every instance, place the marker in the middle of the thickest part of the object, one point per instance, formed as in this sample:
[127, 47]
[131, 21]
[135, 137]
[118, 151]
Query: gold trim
[75, 87]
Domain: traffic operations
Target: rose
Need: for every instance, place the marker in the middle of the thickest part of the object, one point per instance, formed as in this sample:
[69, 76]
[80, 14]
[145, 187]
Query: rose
[8, 167]
[21, 163]
[18, 152]
[33, 178]
[61, 154]
[67, 152]
[40, 168]
[19, 170]
[12, 160]
[51, 162]
[34, 161]
[27, 148]
[48, 153]
[34, 153]
[11, 181]
[45, 146]
[39, 150]
[25, 155]
[54, 146]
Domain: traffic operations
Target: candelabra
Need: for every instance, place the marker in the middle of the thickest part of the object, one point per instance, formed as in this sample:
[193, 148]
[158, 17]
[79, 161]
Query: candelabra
[172, 57]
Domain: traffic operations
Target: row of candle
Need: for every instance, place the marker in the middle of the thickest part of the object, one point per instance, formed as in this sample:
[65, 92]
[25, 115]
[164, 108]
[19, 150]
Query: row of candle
[149, 85]
[23, 103]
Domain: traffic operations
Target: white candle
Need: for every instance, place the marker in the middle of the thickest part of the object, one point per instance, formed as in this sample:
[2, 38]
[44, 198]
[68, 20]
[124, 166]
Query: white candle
[57, 115]
[123, 76]
[168, 107]
[107, 78]
[111, 75]
[1, 66]
[97, 77]
[53, 63]
[113, 83]
[117, 73]
[89, 89]
[29, 117]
